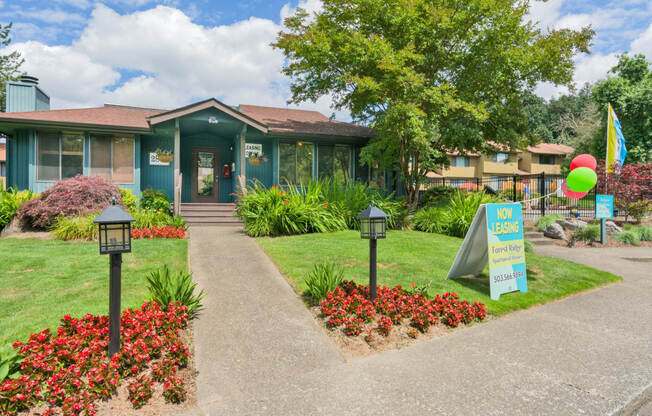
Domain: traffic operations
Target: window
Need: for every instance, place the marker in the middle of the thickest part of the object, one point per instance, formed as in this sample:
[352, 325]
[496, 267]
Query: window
[295, 163]
[501, 157]
[547, 159]
[59, 155]
[334, 162]
[112, 157]
[3, 169]
[461, 161]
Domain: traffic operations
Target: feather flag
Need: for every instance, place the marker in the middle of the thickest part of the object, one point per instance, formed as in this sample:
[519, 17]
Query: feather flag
[616, 149]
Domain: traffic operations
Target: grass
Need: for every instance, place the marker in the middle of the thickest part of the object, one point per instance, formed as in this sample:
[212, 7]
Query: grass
[41, 281]
[412, 256]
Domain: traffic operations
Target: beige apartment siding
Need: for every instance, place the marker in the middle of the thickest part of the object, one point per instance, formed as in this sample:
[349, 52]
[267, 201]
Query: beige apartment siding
[525, 162]
[493, 168]
[537, 167]
[462, 172]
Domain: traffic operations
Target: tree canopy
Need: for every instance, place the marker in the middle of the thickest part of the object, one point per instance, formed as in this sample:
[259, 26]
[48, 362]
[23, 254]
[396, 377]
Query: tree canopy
[9, 64]
[427, 75]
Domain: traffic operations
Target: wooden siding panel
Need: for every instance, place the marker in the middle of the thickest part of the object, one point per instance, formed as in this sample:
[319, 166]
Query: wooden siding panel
[156, 177]
[262, 173]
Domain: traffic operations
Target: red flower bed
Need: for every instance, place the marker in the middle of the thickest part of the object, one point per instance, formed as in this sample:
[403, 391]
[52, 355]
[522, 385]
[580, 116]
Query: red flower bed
[158, 232]
[69, 371]
[349, 307]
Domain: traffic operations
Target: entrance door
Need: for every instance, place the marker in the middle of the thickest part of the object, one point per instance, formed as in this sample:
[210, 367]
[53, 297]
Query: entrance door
[205, 175]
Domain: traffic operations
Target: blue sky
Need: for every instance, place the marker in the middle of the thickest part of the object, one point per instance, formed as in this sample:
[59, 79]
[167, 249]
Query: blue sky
[164, 54]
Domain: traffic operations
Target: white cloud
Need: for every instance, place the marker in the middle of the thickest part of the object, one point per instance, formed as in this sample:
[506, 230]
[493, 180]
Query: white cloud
[643, 43]
[49, 15]
[80, 4]
[545, 13]
[310, 6]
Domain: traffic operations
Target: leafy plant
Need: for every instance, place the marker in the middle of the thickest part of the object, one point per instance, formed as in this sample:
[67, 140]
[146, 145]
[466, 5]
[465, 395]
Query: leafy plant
[80, 195]
[529, 247]
[588, 234]
[639, 209]
[430, 220]
[437, 195]
[80, 227]
[628, 237]
[9, 365]
[129, 200]
[165, 287]
[323, 278]
[461, 211]
[10, 201]
[546, 220]
[644, 233]
[155, 200]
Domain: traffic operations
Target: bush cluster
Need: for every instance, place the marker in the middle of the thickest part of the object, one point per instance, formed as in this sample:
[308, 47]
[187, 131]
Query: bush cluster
[455, 219]
[348, 307]
[321, 206]
[80, 195]
[156, 201]
[437, 195]
[70, 370]
[543, 222]
[10, 201]
[171, 288]
[628, 237]
[323, 278]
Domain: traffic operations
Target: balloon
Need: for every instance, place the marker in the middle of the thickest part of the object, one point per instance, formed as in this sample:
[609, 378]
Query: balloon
[581, 179]
[572, 194]
[583, 161]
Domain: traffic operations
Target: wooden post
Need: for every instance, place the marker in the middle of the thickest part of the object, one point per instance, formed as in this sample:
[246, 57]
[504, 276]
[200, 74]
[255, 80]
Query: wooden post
[177, 164]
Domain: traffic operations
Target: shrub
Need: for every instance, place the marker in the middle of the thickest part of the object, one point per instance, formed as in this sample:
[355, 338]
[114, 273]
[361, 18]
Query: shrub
[430, 220]
[165, 288]
[129, 200]
[546, 220]
[323, 278]
[147, 218]
[156, 201]
[628, 237]
[639, 209]
[588, 234]
[80, 195]
[437, 195]
[461, 211]
[10, 201]
[80, 227]
[644, 233]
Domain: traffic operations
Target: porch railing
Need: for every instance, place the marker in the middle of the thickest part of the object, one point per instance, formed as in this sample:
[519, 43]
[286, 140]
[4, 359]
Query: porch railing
[177, 195]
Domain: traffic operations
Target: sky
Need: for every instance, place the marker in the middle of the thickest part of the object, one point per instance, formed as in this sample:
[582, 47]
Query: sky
[171, 53]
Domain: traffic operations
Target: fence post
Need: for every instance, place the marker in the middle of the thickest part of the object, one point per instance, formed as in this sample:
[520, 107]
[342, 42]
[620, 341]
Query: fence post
[477, 182]
[543, 192]
[514, 187]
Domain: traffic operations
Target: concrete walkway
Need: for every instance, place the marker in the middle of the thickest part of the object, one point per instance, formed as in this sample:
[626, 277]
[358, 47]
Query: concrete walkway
[260, 352]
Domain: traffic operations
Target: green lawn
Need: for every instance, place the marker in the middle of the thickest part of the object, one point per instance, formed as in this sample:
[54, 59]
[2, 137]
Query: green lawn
[41, 281]
[412, 256]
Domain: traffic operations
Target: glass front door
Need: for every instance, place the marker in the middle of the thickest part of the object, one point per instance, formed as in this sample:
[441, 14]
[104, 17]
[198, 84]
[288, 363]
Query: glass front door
[205, 176]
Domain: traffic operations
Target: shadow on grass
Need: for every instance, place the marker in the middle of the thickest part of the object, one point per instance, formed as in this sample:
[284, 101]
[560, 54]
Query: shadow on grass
[480, 283]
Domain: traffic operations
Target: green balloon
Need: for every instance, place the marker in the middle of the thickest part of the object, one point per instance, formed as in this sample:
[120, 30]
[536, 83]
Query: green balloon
[581, 179]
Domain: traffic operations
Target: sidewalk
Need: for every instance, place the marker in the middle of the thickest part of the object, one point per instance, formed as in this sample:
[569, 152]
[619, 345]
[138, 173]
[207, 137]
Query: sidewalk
[260, 352]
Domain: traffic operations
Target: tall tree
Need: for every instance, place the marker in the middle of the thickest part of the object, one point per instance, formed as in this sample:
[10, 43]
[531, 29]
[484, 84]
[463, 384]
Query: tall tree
[427, 75]
[9, 64]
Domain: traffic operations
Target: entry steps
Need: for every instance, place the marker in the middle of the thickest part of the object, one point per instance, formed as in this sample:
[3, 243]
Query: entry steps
[535, 237]
[216, 214]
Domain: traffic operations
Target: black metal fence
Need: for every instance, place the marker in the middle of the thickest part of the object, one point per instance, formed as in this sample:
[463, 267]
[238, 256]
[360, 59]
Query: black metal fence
[542, 193]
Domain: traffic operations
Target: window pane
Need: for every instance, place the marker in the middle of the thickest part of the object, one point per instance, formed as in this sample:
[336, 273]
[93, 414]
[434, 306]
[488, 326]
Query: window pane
[547, 159]
[342, 163]
[101, 155]
[123, 160]
[304, 163]
[48, 157]
[287, 163]
[501, 157]
[325, 162]
[72, 155]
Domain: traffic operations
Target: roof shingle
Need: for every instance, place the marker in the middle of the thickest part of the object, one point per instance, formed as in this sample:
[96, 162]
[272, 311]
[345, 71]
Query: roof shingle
[551, 149]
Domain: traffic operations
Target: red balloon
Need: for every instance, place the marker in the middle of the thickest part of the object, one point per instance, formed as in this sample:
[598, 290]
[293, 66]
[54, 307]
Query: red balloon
[584, 161]
[572, 194]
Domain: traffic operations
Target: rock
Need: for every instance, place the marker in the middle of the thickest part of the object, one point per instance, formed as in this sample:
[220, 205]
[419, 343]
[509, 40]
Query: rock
[612, 228]
[572, 225]
[555, 231]
[14, 227]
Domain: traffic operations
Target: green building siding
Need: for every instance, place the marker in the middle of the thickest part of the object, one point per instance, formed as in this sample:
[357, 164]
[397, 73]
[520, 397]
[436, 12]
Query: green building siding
[262, 173]
[18, 160]
[156, 177]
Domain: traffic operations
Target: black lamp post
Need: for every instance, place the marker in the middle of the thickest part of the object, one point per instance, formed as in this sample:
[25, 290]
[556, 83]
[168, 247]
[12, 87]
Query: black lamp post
[115, 238]
[373, 224]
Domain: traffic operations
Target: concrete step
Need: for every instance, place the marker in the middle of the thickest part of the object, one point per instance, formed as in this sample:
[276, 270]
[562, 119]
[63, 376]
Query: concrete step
[207, 208]
[533, 234]
[541, 241]
[213, 219]
[198, 214]
[213, 224]
[529, 228]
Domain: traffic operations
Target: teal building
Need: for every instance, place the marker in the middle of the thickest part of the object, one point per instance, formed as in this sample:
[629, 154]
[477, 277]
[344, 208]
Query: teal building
[200, 153]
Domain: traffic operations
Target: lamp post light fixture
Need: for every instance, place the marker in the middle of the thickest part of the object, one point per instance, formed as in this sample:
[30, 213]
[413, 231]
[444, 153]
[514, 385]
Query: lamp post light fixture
[115, 238]
[373, 224]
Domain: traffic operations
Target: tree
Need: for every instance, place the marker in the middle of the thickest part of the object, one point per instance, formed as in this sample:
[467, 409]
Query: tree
[427, 75]
[9, 64]
[631, 186]
[630, 94]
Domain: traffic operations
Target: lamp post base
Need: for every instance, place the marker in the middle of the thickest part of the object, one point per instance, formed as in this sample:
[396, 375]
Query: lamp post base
[114, 304]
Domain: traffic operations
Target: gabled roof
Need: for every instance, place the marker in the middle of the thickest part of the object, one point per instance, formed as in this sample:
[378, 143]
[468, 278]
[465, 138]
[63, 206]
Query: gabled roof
[551, 149]
[109, 116]
[297, 122]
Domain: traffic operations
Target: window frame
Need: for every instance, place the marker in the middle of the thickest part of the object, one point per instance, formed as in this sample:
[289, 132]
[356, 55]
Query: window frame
[113, 137]
[466, 162]
[296, 164]
[552, 157]
[495, 157]
[349, 148]
[60, 153]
